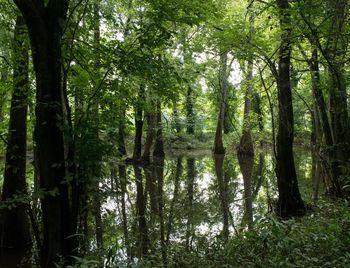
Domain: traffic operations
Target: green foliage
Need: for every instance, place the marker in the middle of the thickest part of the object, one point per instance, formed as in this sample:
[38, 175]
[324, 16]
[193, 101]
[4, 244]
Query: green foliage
[321, 239]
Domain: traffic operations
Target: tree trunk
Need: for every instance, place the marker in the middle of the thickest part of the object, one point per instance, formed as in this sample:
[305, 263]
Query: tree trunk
[175, 121]
[330, 162]
[138, 125]
[189, 111]
[158, 145]
[246, 143]
[45, 26]
[289, 200]
[152, 122]
[15, 233]
[121, 134]
[218, 144]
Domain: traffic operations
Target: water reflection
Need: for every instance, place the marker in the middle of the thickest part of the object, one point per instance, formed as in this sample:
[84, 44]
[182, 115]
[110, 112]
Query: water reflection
[187, 202]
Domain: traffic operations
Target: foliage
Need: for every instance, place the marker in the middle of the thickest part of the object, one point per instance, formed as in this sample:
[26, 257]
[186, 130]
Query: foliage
[320, 239]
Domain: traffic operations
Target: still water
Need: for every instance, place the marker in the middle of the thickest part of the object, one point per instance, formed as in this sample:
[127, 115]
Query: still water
[186, 202]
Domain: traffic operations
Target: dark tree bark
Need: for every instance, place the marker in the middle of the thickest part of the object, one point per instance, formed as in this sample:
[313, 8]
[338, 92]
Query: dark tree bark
[138, 124]
[152, 122]
[336, 128]
[95, 173]
[158, 145]
[227, 120]
[338, 105]
[289, 200]
[331, 164]
[15, 233]
[45, 24]
[121, 134]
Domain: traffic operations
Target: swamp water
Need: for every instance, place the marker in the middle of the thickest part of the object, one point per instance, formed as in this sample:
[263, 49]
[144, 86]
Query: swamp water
[183, 203]
[187, 204]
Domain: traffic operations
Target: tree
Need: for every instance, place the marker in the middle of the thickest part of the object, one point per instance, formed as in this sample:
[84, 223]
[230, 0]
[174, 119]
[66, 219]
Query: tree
[289, 198]
[46, 21]
[223, 85]
[15, 231]
[246, 143]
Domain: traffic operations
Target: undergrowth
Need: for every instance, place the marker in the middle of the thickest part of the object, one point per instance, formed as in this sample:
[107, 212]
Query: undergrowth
[321, 239]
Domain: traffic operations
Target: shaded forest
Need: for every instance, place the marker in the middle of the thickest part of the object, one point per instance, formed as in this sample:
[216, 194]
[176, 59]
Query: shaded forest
[163, 133]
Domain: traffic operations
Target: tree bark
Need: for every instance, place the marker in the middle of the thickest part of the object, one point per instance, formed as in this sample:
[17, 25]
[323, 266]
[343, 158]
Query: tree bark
[223, 85]
[175, 120]
[45, 26]
[246, 146]
[189, 111]
[138, 125]
[330, 162]
[15, 233]
[152, 122]
[289, 200]
[158, 145]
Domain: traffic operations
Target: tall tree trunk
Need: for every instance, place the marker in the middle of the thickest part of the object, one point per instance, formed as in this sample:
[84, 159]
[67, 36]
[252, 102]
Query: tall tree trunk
[289, 199]
[227, 119]
[175, 120]
[14, 233]
[223, 84]
[158, 145]
[338, 106]
[121, 147]
[151, 122]
[138, 124]
[189, 111]
[45, 26]
[246, 143]
[95, 173]
[330, 163]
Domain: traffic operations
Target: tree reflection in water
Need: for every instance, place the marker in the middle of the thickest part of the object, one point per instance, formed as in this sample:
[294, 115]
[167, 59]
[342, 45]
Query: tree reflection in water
[189, 203]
